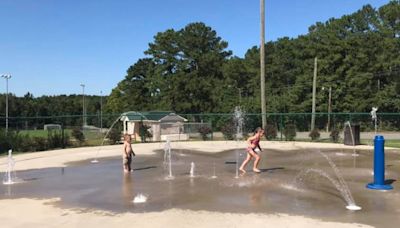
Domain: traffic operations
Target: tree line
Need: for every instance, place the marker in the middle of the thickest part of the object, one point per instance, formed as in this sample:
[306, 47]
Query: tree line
[65, 109]
[191, 70]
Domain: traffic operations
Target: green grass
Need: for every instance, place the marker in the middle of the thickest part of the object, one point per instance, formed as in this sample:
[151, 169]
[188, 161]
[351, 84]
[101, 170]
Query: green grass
[388, 142]
[392, 143]
[40, 133]
[91, 135]
[43, 133]
[34, 133]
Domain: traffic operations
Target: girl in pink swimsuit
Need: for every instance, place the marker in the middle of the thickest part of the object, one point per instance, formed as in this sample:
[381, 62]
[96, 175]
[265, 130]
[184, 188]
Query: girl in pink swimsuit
[253, 143]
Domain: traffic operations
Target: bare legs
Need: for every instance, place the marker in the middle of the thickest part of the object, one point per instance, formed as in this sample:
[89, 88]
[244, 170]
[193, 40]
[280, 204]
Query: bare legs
[257, 158]
[127, 164]
[256, 161]
[245, 163]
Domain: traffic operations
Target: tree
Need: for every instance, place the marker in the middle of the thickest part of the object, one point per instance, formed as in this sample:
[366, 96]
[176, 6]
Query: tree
[135, 91]
[189, 65]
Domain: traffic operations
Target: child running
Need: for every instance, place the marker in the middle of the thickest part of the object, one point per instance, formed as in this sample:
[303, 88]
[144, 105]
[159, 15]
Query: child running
[253, 143]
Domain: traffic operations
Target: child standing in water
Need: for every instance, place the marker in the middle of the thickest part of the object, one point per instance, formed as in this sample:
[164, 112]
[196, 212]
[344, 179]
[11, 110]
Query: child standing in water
[253, 144]
[127, 154]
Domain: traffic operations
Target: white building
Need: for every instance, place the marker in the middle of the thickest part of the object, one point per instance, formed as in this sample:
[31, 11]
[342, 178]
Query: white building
[161, 125]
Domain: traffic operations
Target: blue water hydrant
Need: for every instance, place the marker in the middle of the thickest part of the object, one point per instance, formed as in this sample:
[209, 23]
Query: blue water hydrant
[379, 165]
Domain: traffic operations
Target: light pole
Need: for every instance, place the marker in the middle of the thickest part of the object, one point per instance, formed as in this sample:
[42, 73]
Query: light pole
[6, 76]
[262, 64]
[83, 105]
[329, 107]
[101, 111]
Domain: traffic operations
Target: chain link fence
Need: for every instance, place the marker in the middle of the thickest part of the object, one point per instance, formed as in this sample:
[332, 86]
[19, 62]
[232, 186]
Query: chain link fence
[49, 132]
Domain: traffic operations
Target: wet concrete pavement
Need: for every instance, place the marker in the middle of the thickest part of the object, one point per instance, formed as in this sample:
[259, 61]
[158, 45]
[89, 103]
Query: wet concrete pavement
[278, 189]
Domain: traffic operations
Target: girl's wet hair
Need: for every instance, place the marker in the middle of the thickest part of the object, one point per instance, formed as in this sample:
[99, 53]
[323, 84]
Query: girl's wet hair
[127, 136]
[258, 129]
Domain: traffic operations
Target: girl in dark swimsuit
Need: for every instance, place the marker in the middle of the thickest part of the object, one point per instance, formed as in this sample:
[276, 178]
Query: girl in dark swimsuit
[253, 143]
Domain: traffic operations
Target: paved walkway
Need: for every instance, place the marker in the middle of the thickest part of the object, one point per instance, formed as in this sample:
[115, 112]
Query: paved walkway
[46, 213]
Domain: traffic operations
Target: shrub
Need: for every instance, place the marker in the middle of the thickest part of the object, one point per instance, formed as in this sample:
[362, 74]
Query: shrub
[314, 134]
[39, 144]
[228, 130]
[204, 132]
[78, 135]
[334, 135]
[26, 144]
[271, 132]
[114, 136]
[289, 132]
[5, 144]
[67, 141]
[54, 139]
[12, 140]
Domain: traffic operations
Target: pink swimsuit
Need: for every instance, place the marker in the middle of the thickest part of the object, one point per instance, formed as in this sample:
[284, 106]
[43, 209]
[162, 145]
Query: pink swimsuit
[254, 142]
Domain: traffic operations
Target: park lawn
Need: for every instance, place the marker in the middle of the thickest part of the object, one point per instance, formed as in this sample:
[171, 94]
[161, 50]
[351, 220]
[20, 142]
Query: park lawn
[91, 138]
[40, 133]
[392, 143]
[44, 133]
[93, 135]
[388, 142]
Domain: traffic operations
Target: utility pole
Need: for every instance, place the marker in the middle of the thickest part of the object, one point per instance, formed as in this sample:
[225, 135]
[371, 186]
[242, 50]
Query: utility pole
[6, 76]
[314, 91]
[262, 65]
[101, 111]
[329, 109]
[83, 106]
[240, 96]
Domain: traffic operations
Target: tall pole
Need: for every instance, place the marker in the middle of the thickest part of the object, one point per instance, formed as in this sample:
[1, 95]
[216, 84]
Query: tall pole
[6, 76]
[83, 105]
[314, 91]
[329, 109]
[262, 65]
[240, 96]
[101, 111]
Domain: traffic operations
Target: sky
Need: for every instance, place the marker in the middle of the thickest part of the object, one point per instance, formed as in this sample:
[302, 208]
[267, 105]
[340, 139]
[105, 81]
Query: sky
[50, 47]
